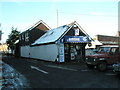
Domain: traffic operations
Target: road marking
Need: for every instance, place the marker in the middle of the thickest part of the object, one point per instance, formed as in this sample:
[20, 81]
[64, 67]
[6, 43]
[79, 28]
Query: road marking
[33, 67]
[110, 74]
[46, 82]
[85, 70]
[65, 68]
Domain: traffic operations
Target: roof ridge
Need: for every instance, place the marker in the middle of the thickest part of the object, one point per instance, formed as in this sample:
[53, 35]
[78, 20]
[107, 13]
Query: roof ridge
[70, 24]
[34, 25]
[30, 27]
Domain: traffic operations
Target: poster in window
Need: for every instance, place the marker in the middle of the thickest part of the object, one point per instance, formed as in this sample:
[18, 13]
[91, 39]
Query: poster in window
[76, 32]
[61, 53]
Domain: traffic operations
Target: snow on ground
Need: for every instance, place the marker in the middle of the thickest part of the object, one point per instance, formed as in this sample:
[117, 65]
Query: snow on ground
[10, 78]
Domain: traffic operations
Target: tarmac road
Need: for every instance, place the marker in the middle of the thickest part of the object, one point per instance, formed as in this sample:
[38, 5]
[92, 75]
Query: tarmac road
[42, 74]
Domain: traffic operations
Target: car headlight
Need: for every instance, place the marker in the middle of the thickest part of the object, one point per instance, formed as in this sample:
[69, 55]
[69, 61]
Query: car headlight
[113, 65]
[94, 59]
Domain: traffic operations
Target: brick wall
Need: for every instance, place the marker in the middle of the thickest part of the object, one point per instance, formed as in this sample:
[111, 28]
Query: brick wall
[118, 33]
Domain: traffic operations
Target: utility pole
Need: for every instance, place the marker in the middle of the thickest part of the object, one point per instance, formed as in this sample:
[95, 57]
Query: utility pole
[119, 40]
[57, 17]
[119, 25]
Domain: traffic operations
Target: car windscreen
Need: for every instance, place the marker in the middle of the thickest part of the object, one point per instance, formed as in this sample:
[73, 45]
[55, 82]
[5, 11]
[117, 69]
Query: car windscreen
[104, 49]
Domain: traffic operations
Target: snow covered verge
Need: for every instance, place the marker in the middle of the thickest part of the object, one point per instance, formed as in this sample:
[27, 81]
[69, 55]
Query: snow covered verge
[10, 78]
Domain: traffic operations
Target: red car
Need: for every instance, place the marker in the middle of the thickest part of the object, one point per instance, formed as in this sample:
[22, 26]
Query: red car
[106, 55]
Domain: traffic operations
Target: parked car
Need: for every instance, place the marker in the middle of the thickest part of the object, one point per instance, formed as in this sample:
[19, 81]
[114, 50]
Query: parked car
[116, 68]
[106, 55]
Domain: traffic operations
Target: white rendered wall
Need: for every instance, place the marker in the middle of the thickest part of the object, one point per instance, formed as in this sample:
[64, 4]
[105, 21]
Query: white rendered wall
[44, 52]
[25, 51]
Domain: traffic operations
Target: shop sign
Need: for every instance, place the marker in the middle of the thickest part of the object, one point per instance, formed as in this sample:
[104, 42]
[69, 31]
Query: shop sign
[76, 39]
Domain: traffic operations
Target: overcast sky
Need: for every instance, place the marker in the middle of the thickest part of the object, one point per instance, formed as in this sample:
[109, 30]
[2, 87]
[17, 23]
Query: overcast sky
[94, 16]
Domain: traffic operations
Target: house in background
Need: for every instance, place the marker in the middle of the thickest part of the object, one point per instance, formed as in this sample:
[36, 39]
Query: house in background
[27, 37]
[100, 40]
[4, 48]
[65, 43]
[107, 40]
[118, 33]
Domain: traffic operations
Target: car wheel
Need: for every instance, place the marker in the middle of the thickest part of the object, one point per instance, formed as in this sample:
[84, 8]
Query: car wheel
[90, 66]
[102, 66]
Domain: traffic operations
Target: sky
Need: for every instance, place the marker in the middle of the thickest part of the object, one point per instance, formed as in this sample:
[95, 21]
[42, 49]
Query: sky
[94, 16]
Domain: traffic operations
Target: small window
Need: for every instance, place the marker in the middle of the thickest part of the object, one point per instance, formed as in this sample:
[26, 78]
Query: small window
[23, 36]
[20, 37]
[117, 50]
[26, 36]
[51, 33]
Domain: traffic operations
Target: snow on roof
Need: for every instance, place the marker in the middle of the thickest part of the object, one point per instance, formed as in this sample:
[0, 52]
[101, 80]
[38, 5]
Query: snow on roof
[97, 42]
[110, 46]
[16, 41]
[51, 35]
[55, 34]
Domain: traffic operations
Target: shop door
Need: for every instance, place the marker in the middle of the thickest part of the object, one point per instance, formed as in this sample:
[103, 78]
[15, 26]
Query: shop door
[71, 52]
[67, 52]
[79, 51]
